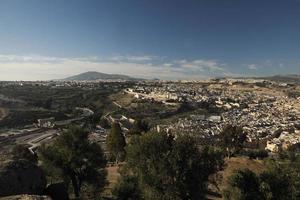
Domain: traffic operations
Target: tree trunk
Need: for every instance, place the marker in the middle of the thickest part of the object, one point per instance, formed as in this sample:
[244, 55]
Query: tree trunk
[75, 186]
[228, 153]
[79, 184]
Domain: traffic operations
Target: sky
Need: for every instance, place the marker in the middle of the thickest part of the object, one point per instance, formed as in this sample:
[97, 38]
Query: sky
[166, 39]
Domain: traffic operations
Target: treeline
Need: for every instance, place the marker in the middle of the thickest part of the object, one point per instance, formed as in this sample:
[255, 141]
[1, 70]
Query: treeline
[160, 166]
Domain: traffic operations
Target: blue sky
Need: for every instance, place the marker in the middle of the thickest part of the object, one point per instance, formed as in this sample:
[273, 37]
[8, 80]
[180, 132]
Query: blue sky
[169, 39]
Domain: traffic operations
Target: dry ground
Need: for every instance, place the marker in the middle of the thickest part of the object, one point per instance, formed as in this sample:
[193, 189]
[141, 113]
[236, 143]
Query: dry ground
[123, 99]
[237, 163]
[231, 166]
[112, 178]
[255, 89]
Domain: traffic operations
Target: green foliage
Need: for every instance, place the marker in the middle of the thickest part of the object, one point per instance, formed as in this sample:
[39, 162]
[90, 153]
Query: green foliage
[78, 160]
[21, 117]
[232, 139]
[244, 185]
[39, 101]
[127, 188]
[288, 154]
[116, 143]
[276, 185]
[255, 154]
[104, 123]
[291, 168]
[22, 152]
[139, 127]
[92, 121]
[279, 182]
[171, 169]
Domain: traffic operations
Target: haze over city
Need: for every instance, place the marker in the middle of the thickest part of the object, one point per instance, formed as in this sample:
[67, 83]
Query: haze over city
[171, 39]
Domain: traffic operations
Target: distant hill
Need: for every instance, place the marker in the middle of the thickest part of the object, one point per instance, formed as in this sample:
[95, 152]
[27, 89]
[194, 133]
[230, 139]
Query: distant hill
[291, 78]
[93, 76]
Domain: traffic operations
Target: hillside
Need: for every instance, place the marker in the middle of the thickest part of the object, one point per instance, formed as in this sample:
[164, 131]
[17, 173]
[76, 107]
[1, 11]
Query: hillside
[93, 76]
[284, 78]
[290, 78]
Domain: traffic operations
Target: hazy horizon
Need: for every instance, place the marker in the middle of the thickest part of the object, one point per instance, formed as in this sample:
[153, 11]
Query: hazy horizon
[195, 39]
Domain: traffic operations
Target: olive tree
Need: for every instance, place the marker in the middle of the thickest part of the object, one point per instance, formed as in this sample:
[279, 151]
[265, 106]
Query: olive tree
[168, 168]
[76, 159]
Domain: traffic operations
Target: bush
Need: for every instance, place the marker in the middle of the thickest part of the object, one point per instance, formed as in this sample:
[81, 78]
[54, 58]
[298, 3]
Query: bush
[279, 182]
[243, 185]
[127, 188]
[255, 154]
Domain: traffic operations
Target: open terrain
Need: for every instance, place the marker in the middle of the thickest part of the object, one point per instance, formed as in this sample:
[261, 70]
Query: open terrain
[36, 113]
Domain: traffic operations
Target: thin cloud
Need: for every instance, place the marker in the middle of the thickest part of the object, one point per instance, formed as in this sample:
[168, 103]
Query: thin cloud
[253, 67]
[36, 67]
[203, 65]
[142, 58]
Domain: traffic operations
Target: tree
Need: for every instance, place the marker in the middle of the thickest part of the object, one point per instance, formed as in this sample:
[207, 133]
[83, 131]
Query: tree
[232, 139]
[171, 169]
[104, 123]
[48, 103]
[276, 183]
[116, 143]
[76, 158]
[21, 151]
[93, 120]
[139, 127]
[243, 185]
[127, 188]
[281, 181]
[293, 170]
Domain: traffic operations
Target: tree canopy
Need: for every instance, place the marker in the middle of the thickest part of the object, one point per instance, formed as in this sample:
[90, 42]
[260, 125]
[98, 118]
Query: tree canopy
[243, 185]
[171, 169]
[127, 188]
[139, 127]
[76, 158]
[21, 151]
[276, 183]
[116, 143]
[232, 139]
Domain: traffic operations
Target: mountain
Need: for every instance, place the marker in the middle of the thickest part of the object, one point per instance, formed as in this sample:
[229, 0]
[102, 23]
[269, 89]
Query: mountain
[290, 78]
[93, 76]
